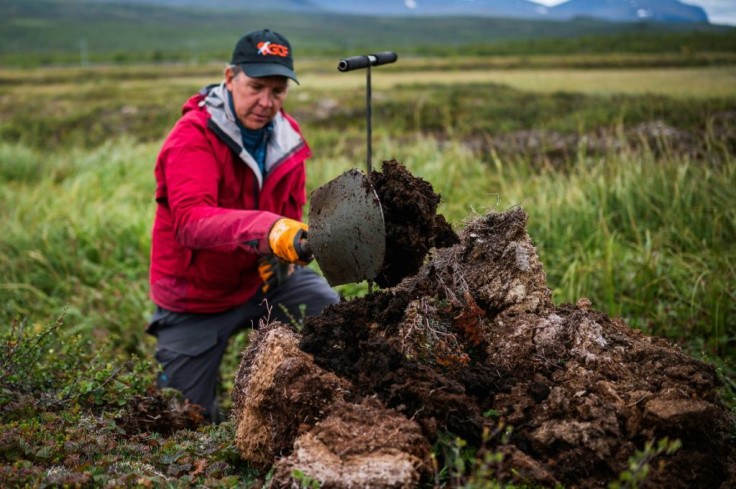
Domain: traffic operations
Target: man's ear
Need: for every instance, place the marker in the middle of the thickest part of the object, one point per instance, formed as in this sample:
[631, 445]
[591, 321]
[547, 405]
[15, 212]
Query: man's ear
[229, 77]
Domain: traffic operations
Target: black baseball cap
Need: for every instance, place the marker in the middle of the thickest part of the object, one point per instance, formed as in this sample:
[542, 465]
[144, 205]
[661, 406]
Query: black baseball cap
[264, 53]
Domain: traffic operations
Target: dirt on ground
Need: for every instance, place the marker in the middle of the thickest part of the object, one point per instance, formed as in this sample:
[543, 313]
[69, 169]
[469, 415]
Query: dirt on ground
[471, 344]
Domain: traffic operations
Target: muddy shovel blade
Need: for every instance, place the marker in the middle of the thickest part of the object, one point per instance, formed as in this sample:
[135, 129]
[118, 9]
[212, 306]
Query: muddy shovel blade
[346, 229]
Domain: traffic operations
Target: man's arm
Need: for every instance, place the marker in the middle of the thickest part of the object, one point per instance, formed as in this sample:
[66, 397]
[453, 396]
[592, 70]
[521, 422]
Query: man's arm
[192, 180]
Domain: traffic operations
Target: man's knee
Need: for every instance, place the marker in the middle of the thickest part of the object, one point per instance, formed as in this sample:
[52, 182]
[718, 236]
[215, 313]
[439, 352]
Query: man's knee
[194, 376]
[316, 293]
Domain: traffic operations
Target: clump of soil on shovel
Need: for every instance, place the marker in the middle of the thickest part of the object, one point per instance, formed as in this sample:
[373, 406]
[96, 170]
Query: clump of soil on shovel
[413, 226]
[469, 344]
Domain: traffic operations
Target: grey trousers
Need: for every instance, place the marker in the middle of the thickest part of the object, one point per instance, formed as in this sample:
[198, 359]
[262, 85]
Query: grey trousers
[190, 347]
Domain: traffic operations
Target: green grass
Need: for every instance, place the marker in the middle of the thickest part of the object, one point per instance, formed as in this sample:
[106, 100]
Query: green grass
[76, 238]
[646, 238]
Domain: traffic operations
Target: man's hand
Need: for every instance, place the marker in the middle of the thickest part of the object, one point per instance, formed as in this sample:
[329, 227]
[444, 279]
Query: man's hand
[274, 272]
[288, 241]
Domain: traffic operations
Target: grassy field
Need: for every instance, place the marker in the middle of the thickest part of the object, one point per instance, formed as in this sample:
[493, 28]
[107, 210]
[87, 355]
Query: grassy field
[628, 177]
[710, 82]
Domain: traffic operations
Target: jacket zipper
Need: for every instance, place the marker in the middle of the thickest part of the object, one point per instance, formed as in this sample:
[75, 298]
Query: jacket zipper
[256, 192]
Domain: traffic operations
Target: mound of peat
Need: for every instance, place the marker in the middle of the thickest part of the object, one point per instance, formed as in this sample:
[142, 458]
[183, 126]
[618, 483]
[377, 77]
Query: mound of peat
[471, 343]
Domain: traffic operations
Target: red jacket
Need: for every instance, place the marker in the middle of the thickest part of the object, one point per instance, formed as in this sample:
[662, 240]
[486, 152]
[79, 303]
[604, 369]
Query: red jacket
[215, 209]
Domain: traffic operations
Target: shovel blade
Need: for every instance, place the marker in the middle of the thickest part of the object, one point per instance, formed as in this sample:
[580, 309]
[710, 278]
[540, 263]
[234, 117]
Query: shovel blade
[347, 233]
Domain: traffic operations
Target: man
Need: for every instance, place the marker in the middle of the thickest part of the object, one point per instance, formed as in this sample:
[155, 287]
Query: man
[227, 248]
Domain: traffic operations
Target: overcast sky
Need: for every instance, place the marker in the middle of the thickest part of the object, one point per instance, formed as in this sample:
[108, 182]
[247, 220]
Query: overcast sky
[719, 11]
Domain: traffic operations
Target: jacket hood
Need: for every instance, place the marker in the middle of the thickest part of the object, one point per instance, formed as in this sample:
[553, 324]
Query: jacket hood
[196, 101]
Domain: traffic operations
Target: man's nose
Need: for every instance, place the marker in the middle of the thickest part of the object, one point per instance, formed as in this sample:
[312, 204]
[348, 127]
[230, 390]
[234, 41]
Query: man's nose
[266, 99]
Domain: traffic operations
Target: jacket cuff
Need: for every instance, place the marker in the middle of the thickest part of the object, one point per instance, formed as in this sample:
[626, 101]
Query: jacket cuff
[264, 248]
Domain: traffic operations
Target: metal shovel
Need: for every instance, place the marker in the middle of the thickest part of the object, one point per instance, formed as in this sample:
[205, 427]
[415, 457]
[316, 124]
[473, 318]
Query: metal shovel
[347, 233]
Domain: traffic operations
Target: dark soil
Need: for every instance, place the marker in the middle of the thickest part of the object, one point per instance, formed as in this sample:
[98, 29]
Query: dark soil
[469, 344]
[413, 226]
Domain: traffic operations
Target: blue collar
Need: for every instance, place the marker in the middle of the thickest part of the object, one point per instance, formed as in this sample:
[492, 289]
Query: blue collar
[255, 141]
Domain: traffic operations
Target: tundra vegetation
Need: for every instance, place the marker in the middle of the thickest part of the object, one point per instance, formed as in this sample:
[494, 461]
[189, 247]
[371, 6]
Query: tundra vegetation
[629, 193]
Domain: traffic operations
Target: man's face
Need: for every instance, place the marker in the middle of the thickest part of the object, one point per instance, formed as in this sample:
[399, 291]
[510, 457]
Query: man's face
[256, 100]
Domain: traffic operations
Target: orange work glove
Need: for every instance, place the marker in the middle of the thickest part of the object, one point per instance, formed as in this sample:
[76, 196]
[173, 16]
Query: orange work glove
[288, 241]
[274, 272]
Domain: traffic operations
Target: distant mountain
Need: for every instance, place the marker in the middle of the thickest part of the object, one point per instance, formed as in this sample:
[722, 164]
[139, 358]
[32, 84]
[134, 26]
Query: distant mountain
[487, 8]
[629, 11]
[271, 5]
[608, 10]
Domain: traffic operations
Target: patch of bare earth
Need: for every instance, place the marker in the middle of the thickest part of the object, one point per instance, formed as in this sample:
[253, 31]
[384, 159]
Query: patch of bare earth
[359, 397]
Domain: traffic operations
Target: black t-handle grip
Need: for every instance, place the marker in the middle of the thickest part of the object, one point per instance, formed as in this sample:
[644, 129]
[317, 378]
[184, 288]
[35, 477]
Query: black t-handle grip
[358, 62]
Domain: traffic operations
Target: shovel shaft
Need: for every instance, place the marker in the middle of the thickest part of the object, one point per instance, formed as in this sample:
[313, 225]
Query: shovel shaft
[366, 61]
[368, 123]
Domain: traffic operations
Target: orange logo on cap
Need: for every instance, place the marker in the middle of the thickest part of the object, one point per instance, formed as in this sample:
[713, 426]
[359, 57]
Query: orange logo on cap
[267, 47]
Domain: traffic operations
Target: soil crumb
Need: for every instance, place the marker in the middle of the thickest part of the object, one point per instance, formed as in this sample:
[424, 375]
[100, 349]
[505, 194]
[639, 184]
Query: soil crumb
[471, 344]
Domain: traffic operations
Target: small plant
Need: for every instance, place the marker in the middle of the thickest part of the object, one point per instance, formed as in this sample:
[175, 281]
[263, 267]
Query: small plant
[296, 322]
[640, 463]
[305, 481]
[43, 367]
[466, 467]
